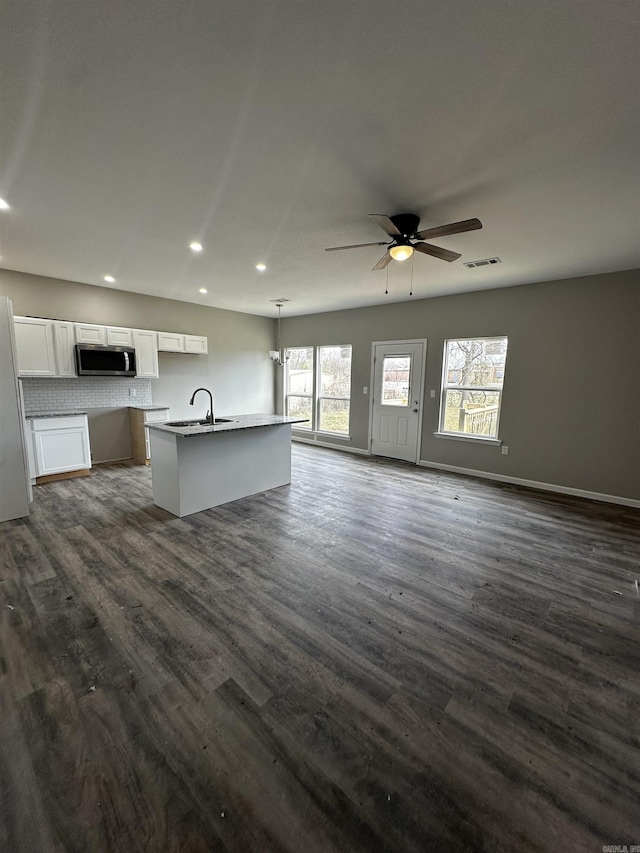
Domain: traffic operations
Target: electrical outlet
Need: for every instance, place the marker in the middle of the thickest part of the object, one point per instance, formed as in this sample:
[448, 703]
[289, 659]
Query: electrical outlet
[365, 390]
[432, 393]
[505, 450]
[132, 392]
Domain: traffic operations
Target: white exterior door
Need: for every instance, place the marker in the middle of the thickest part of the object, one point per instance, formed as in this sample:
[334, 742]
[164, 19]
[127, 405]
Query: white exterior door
[396, 406]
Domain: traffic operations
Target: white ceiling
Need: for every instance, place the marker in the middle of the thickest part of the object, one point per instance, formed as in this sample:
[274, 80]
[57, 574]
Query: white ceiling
[268, 130]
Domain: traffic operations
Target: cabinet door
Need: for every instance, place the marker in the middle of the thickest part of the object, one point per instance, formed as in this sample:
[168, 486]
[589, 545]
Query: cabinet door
[170, 342]
[61, 444]
[63, 338]
[146, 346]
[153, 417]
[194, 343]
[88, 333]
[34, 343]
[117, 337]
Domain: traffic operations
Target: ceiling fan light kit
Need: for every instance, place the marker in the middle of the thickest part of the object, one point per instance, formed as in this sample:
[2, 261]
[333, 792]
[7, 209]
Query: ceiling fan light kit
[401, 253]
[403, 229]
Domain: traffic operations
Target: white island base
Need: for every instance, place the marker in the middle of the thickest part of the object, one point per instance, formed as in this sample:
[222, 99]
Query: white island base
[191, 473]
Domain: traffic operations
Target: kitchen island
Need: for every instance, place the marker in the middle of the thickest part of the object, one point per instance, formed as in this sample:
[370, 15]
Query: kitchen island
[196, 466]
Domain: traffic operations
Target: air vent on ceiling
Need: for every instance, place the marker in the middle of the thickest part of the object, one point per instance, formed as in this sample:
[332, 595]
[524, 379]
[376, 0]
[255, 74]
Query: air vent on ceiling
[484, 263]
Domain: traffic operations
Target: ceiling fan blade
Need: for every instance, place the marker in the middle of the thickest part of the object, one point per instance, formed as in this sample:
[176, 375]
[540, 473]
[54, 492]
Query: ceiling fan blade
[453, 228]
[386, 224]
[384, 261]
[436, 251]
[355, 246]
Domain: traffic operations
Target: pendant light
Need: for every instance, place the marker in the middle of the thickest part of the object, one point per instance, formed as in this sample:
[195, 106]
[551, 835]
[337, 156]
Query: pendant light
[276, 355]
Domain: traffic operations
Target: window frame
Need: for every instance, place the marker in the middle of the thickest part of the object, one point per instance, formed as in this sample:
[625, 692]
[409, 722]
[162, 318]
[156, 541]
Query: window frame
[311, 396]
[496, 390]
[317, 396]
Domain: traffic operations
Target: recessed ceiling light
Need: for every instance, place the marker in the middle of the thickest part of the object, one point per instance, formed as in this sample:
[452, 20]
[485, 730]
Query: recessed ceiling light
[109, 278]
[195, 247]
[261, 267]
[3, 204]
[203, 290]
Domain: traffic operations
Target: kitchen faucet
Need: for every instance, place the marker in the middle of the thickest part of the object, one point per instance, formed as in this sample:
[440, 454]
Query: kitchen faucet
[210, 412]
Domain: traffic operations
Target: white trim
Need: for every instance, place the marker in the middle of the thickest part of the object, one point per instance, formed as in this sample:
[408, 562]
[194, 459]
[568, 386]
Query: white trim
[479, 439]
[534, 484]
[315, 443]
[321, 432]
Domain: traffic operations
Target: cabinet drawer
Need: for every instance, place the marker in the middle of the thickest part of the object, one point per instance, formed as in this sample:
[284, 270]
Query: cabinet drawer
[66, 422]
[154, 417]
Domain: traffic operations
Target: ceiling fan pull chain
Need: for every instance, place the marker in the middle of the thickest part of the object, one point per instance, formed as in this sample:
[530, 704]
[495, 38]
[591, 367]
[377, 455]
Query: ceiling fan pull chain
[413, 257]
[386, 290]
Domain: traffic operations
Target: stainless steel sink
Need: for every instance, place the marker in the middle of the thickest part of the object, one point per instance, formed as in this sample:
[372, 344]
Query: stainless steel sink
[203, 422]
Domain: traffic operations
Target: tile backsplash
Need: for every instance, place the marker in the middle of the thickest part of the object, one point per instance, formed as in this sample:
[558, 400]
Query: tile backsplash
[85, 392]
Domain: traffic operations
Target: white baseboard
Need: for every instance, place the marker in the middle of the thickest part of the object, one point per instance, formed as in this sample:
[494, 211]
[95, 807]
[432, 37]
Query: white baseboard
[311, 441]
[534, 484]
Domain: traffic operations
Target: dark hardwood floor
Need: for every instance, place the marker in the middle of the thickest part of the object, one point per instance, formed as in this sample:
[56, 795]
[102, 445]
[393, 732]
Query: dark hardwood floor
[375, 658]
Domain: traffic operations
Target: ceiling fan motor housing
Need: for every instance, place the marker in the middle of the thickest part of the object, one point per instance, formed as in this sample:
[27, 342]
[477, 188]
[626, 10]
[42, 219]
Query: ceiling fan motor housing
[406, 223]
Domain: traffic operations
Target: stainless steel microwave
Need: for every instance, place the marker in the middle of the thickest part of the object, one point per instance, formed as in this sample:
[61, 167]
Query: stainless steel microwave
[97, 360]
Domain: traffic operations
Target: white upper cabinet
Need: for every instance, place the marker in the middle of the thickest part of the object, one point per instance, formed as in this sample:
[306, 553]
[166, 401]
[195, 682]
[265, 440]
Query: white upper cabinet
[34, 343]
[195, 343]
[63, 339]
[117, 337]
[89, 333]
[170, 342]
[46, 347]
[146, 345]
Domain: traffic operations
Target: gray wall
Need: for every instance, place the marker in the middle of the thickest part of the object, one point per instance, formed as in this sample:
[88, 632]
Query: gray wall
[571, 404]
[238, 369]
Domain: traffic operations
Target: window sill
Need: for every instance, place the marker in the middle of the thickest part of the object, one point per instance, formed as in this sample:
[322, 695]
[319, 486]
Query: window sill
[479, 439]
[321, 434]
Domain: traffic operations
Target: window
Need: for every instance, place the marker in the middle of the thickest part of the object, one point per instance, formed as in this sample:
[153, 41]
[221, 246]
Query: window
[318, 387]
[395, 380]
[472, 377]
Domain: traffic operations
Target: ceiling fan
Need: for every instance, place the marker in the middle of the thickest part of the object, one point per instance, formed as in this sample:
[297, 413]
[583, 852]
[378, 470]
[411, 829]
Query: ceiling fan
[403, 228]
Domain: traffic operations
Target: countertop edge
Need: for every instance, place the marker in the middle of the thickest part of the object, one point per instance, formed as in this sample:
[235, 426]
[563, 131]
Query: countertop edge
[237, 423]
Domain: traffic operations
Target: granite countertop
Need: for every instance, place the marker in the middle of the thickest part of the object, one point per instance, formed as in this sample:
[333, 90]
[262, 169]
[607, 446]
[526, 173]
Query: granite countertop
[67, 413]
[150, 408]
[235, 422]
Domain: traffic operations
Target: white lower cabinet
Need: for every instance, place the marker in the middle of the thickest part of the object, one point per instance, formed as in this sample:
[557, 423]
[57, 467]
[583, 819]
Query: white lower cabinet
[60, 444]
[138, 418]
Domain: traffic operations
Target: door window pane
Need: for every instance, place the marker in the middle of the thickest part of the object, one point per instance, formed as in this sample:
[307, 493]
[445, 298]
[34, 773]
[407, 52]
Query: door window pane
[396, 370]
